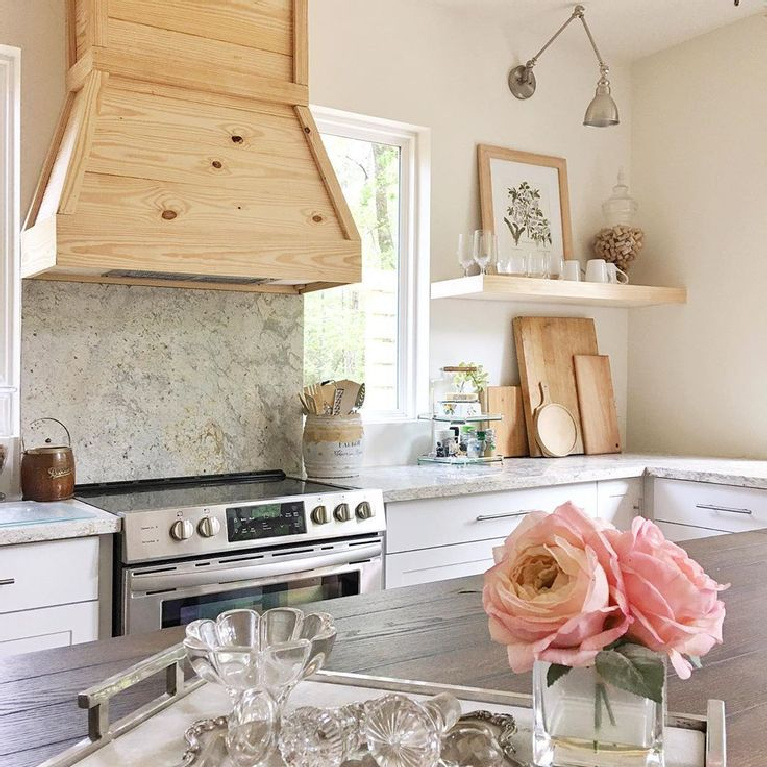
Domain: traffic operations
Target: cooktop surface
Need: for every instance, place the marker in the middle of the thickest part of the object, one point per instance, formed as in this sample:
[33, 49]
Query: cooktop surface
[127, 497]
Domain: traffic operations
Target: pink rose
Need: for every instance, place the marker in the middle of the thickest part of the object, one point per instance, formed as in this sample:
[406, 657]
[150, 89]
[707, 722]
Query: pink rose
[673, 602]
[556, 591]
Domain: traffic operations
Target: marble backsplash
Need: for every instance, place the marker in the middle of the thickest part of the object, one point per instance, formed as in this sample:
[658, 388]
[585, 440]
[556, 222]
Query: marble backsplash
[160, 382]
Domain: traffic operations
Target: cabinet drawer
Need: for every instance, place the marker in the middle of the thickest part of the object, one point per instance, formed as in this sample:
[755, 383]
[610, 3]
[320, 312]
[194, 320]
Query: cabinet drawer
[48, 574]
[413, 525]
[619, 501]
[723, 508]
[48, 627]
[676, 532]
[430, 565]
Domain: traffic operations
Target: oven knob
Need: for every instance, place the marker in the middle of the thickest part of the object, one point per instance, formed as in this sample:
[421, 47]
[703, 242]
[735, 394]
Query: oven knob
[181, 530]
[365, 510]
[208, 527]
[343, 513]
[320, 515]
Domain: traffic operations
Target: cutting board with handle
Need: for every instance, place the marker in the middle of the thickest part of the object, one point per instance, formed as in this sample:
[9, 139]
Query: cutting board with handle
[555, 429]
[545, 350]
[511, 432]
[596, 399]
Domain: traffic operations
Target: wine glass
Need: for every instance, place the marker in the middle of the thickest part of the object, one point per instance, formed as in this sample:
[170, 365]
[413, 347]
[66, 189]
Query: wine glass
[485, 249]
[465, 252]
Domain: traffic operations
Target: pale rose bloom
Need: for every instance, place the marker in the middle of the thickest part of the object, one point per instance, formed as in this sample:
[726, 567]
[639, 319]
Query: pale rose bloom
[556, 592]
[673, 602]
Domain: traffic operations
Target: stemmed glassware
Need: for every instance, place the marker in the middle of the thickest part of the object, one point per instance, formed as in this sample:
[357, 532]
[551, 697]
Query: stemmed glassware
[485, 249]
[465, 252]
[259, 659]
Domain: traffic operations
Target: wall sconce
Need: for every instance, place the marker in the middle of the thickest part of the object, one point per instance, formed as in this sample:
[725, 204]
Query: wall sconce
[602, 111]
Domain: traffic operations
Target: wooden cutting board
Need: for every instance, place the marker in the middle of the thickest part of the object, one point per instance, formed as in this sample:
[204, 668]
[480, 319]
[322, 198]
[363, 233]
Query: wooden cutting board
[596, 400]
[545, 350]
[511, 432]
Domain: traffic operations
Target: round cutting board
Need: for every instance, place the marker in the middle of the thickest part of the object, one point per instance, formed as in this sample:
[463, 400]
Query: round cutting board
[555, 429]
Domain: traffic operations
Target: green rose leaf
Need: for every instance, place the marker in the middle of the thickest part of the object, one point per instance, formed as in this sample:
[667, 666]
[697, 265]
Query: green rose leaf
[633, 668]
[556, 671]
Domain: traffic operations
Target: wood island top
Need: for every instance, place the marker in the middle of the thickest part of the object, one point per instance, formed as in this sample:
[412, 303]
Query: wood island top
[435, 632]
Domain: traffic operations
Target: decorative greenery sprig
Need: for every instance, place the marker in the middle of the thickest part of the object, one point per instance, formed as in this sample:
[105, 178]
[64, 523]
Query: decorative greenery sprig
[478, 377]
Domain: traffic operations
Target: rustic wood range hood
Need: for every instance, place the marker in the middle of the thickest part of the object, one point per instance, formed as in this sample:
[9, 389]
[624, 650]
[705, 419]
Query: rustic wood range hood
[186, 154]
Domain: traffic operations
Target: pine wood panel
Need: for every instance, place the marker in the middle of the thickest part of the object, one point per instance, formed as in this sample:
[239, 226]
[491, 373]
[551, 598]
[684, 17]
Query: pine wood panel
[265, 24]
[153, 137]
[267, 207]
[434, 632]
[225, 255]
[596, 400]
[301, 42]
[251, 103]
[165, 67]
[141, 40]
[545, 349]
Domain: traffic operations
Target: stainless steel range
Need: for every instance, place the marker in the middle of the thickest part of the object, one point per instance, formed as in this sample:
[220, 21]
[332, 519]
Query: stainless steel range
[194, 547]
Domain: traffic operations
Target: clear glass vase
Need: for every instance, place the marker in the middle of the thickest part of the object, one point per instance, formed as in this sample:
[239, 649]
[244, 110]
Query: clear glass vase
[583, 721]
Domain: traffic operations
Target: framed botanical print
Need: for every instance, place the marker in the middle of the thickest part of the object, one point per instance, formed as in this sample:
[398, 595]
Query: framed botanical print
[524, 200]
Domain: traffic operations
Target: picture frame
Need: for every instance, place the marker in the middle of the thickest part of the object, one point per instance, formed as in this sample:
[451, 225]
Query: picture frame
[524, 199]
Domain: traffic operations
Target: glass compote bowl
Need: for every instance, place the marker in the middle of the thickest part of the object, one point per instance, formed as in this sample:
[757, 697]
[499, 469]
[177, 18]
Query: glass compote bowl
[259, 659]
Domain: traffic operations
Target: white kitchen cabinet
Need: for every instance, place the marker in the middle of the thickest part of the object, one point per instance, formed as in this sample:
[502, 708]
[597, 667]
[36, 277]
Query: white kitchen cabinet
[49, 594]
[439, 538]
[698, 509]
[48, 627]
[430, 565]
[619, 501]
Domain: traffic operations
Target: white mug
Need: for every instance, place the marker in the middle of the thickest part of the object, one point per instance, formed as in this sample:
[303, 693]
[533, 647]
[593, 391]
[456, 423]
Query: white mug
[596, 270]
[616, 276]
[571, 270]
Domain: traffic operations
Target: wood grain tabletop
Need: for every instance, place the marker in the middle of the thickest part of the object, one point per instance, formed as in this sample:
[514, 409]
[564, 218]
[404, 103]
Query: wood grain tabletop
[435, 632]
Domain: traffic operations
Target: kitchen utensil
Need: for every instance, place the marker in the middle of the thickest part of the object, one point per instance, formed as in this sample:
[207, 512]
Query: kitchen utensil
[360, 398]
[571, 271]
[511, 432]
[555, 429]
[616, 276]
[599, 420]
[545, 348]
[306, 403]
[348, 398]
[48, 473]
[326, 398]
[596, 270]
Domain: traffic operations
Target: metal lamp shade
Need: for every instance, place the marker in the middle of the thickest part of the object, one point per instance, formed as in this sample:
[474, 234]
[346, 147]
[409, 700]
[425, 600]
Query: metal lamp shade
[602, 111]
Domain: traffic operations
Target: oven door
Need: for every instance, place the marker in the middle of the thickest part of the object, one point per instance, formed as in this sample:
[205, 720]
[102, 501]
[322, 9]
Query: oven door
[175, 594]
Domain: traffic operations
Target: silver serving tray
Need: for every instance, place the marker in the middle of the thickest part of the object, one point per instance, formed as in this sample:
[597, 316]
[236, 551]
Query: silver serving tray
[170, 662]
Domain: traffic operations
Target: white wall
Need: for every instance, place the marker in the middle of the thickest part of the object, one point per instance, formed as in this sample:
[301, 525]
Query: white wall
[699, 123]
[446, 70]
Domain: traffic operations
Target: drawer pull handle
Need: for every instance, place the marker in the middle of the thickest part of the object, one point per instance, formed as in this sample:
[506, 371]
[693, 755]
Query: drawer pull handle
[486, 517]
[711, 507]
[7, 581]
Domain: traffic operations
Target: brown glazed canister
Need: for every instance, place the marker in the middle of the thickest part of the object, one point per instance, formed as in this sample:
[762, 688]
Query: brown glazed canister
[48, 473]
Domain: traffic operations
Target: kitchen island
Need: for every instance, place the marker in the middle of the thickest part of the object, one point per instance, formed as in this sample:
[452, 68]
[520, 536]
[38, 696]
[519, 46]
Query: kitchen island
[435, 632]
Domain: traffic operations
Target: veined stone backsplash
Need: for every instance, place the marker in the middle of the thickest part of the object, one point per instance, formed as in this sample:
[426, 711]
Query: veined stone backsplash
[160, 382]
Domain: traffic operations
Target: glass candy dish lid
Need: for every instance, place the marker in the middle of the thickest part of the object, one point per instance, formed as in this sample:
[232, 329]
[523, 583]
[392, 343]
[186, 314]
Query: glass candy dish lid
[621, 206]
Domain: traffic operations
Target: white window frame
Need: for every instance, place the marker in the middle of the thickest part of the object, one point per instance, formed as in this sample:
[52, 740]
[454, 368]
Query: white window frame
[414, 231]
[10, 282]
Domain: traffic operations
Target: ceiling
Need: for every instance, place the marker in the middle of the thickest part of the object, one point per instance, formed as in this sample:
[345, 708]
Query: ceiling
[625, 29]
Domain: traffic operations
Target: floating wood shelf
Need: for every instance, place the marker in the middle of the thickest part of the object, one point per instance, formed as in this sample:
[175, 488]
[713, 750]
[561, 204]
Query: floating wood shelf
[527, 290]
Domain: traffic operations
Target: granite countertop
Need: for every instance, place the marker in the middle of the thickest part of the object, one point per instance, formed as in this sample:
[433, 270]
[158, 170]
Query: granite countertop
[91, 521]
[409, 483]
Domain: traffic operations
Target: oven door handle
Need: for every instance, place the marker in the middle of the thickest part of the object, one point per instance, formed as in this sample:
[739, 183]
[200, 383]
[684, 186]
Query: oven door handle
[208, 576]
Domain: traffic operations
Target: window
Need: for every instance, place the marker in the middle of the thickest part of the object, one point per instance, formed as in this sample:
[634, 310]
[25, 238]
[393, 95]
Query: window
[376, 331]
[9, 241]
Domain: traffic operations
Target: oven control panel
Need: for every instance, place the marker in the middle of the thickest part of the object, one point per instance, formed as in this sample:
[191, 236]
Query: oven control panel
[191, 531]
[268, 520]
